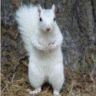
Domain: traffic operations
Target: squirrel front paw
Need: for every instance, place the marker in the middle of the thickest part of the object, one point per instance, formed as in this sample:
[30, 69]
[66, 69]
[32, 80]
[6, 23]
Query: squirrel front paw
[52, 45]
[40, 47]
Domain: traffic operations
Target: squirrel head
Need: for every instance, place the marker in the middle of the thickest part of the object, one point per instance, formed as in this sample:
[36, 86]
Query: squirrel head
[47, 19]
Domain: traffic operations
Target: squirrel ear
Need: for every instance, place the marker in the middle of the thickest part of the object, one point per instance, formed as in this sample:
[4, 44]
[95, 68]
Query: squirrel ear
[39, 9]
[53, 8]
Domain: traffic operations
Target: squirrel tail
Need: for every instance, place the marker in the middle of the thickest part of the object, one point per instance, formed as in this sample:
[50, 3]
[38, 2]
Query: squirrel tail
[27, 18]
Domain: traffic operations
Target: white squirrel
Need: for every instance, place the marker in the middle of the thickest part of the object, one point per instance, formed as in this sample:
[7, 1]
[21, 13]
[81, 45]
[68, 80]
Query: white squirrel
[42, 39]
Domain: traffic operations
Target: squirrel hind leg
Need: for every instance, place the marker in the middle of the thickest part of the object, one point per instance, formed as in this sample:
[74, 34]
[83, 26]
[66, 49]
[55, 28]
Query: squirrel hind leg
[36, 91]
[56, 93]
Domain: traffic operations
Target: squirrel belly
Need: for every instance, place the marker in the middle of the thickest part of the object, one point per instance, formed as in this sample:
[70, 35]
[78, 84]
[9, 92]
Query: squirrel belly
[42, 40]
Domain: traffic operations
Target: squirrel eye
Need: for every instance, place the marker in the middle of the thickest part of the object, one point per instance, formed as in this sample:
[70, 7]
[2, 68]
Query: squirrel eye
[54, 19]
[40, 19]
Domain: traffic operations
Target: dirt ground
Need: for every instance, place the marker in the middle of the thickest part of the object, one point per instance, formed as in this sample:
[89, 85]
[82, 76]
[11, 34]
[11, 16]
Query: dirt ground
[75, 85]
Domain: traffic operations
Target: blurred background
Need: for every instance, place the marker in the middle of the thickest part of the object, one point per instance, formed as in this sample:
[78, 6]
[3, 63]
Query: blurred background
[77, 22]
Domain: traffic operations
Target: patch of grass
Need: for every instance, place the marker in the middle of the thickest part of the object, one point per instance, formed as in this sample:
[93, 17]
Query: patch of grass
[17, 86]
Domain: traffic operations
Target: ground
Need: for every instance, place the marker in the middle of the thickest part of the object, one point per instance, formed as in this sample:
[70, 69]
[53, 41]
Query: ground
[77, 85]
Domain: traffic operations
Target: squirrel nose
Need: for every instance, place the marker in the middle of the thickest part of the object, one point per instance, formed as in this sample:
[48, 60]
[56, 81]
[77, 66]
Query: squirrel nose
[48, 28]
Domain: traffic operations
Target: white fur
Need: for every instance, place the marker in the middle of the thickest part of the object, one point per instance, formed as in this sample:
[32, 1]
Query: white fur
[43, 47]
